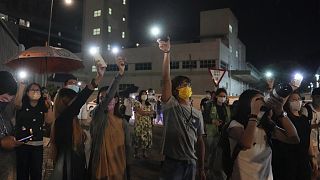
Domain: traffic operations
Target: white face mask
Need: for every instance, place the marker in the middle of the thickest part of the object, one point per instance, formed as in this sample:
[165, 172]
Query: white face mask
[295, 105]
[74, 87]
[144, 97]
[221, 99]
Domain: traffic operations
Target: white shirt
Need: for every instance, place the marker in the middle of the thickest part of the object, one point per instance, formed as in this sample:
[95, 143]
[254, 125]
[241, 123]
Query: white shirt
[253, 163]
[315, 120]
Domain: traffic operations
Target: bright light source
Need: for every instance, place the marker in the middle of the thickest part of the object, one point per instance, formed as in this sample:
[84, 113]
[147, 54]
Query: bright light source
[155, 31]
[269, 74]
[317, 76]
[23, 74]
[79, 83]
[298, 76]
[94, 50]
[137, 44]
[133, 96]
[115, 50]
[68, 2]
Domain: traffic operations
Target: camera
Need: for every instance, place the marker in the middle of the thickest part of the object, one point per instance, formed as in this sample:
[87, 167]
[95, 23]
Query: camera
[120, 108]
[279, 93]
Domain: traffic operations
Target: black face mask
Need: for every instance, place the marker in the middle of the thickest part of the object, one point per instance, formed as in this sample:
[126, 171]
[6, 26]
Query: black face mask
[3, 106]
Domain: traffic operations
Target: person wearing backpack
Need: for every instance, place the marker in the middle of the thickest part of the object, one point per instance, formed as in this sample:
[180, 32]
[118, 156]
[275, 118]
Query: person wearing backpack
[312, 111]
[251, 133]
[292, 161]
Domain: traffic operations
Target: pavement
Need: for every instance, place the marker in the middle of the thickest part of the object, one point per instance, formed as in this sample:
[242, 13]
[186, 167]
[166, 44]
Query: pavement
[141, 169]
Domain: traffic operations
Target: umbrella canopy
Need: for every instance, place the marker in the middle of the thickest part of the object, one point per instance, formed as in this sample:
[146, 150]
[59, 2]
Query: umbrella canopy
[61, 77]
[46, 60]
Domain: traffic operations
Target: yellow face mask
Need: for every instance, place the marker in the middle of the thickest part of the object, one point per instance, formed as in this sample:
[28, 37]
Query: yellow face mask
[185, 93]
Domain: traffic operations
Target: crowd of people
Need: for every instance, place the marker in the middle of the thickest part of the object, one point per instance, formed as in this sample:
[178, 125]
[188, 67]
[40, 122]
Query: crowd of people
[257, 137]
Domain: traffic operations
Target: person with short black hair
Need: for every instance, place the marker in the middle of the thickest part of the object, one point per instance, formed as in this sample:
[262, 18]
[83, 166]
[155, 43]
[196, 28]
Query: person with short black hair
[183, 128]
[8, 90]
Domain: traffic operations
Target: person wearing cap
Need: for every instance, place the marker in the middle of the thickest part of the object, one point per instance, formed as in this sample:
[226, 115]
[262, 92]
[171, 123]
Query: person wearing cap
[8, 89]
[312, 111]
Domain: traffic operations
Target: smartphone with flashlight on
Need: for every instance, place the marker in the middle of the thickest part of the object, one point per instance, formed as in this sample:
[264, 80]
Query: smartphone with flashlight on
[296, 81]
[99, 60]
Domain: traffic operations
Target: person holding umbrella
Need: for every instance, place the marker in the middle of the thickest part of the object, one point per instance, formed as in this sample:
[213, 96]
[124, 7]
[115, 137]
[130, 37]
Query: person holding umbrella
[67, 137]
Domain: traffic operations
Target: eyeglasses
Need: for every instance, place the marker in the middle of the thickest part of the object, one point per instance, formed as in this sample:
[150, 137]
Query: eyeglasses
[35, 90]
[185, 85]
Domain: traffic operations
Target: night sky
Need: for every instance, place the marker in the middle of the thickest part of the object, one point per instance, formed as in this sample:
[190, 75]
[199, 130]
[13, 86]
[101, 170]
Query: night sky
[278, 34]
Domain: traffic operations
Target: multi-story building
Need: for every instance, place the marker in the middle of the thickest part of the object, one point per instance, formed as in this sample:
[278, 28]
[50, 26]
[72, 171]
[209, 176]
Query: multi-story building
[9, 45]
[219, 47]
[105, 24]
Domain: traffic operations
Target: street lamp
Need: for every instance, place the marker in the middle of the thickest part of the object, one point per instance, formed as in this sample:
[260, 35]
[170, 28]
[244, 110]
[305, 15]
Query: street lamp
[68, 2]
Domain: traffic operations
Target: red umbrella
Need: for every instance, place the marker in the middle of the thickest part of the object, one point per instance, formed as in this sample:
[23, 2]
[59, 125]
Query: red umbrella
[46, 60]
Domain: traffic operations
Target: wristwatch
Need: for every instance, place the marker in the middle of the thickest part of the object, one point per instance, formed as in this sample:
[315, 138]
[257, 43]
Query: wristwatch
[282, 115]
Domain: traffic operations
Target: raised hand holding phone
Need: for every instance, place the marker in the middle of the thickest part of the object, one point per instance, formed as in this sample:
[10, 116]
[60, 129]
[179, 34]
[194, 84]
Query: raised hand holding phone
[120, 61]
[99, 60]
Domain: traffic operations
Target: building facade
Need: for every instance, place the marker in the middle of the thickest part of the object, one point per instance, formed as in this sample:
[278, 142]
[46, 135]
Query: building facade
[219, 48]
[105, 24]
[9, 45]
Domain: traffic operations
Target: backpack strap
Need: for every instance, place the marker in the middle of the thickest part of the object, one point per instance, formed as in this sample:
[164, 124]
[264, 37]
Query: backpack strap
[310, 112]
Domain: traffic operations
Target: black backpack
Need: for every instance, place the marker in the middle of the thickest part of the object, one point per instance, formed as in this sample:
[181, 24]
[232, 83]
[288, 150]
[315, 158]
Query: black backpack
[221, 161]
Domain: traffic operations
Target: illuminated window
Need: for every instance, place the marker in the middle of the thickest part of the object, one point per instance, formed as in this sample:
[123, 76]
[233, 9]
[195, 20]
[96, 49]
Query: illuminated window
[109, 47]
[110, 11]
[237, 54]
[123, 35]
[109, 28]
[97, 13]
[96, 31]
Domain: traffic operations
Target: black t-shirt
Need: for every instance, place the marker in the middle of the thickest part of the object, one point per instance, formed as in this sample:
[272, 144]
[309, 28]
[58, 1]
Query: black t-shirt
[222, 112]
[303, 128]
[30, 120]
[203, 102]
